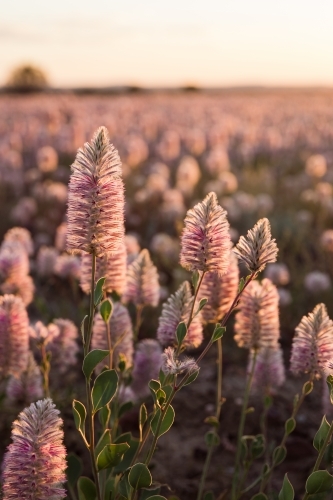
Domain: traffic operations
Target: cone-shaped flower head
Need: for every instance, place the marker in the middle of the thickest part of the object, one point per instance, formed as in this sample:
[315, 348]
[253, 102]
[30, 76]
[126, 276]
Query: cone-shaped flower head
[23, 287]
[146, 366]
[121, 336]
[177, 309]
[257, 322]
[14, 336]
[142, 286]
[27, 388]
[112, 267]
[269, 372]
[312, 346]
[34, 464]
[220, 292]
[205, 242]
[14, 261]
[96, 199]
[257, 249]
[21, 236]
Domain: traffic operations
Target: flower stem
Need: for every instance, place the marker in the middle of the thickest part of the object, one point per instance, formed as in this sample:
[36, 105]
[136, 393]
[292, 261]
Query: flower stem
[241, 427]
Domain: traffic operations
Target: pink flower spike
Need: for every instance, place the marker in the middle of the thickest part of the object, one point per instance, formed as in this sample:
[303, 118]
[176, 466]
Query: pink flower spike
[205, 242]
[34, 464]
[142, 287]
[96, 199]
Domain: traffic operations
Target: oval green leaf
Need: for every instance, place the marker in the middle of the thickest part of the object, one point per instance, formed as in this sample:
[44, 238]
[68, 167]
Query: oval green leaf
[259, 496]
[104, 389]
[181, 332]
[167, 421]
[111, 455]
[91, 361]
[290, 425]
[106, 310]
[318, 482]
[74, 469]
[139, 476]
[86, 489]
[80, 413]
[321, 434]
[279, 454]
[98, 294]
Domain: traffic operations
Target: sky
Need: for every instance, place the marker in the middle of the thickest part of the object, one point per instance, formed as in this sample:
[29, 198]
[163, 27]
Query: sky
[177, 42]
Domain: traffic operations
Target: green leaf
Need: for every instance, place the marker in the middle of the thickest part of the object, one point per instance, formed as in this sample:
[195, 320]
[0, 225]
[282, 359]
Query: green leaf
[74, 469]
[98, 294]
[162, 377]
[83, 329]
[259, 496]
[86, 489]
[318, 482]
[241, 285]
[202, 304]
[111, 455]
[195, 279]
[104, 389]
[127, 460]
[80, 414]
[192, 378]
[212, 439]
[268, 401]
[287, 491]
[143, 416]
[329, 381]
[139, 476]
[91, 361]
[307, 388]
[154, 386]
[106, 310]
[167, 421]
[103, 441]
[289, 426]
[218, 332]
[125, 408]
[279, 454]
[181, 332]
[321, 434]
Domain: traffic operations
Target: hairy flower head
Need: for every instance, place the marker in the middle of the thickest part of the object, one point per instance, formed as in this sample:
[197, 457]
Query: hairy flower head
[257, 322]
[220, 292]
[205, 241]
[269, 372]
[142, 286]
[34, 464]
[21, 236]
[29, 386]
[312, 346]
[96, 199]
[257, 249]
[14, 336]
[174, 366]
[146, 366]
[177, 309]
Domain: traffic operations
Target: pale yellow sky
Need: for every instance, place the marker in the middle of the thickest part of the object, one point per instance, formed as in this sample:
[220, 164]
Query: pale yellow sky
[225, 42]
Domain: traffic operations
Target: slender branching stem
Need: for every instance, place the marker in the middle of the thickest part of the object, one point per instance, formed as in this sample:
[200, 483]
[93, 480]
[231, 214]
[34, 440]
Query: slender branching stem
[241, 427]
[45, 369]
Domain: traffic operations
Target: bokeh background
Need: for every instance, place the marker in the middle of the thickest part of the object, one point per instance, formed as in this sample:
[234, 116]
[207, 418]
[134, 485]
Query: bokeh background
[232, 97]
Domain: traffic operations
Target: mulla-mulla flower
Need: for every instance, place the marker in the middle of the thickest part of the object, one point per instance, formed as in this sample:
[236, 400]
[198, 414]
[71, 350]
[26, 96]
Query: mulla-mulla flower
[96, 199]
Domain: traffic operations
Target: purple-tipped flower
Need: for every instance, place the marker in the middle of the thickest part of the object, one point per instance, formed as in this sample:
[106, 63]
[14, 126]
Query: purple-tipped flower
[173, 366]
[257, 322]
[269, 372]
[205, 242]
[14, 336]
[14, 261]
[27, 388]
[111, 267]
[46, 260]
[121, 336]
[312, 346]
[34, 464]
[96, 199]
[220, 292]
[257, 249]
[68, 266]
[146, 366]
[24, 288]
[177, 309]
[142, 286]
